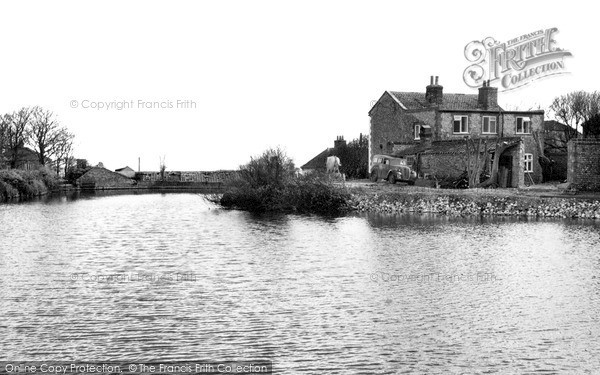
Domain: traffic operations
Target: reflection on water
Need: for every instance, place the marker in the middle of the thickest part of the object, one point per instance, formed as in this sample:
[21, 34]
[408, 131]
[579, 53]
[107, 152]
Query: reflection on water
[173, 277]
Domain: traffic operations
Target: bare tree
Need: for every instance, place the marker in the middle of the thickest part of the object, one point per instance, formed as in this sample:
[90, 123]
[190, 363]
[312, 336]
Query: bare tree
[45, 134]
[575, 109]
[3, 134]
[63, 149]
[476, 159]
[17, 133]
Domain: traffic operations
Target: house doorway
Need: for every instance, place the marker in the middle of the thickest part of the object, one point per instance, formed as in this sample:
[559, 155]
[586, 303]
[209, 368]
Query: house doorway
[505, 171]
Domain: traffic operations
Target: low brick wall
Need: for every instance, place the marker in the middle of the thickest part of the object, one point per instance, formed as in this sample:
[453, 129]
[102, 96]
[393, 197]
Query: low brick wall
[177, 176]
[584, 164]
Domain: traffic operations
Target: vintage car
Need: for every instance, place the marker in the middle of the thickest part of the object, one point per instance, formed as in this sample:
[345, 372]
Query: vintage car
[392, 169]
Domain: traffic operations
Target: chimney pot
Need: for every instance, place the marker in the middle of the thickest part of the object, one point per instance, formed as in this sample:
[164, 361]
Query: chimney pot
[431, 80]
[434, 92]
[488, 96]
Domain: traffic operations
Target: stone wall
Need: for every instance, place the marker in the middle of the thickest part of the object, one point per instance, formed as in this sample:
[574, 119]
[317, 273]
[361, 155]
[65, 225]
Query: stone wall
[442, 165]
[584, 164]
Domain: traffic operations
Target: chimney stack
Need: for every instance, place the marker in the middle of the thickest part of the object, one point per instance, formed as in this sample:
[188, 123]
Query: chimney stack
[488, 96]
[339, 142]
[434, 92]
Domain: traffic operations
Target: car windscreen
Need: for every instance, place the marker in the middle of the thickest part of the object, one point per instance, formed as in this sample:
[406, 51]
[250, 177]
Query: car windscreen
[397, 162]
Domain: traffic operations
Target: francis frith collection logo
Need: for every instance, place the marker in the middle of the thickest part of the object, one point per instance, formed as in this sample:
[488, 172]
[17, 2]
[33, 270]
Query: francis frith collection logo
[514, 63]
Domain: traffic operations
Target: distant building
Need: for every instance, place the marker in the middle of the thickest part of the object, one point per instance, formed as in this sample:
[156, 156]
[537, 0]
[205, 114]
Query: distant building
[126, 171]
[102, 178]
[557, 135]
[27, 159]
[431, 127]
[318, 162]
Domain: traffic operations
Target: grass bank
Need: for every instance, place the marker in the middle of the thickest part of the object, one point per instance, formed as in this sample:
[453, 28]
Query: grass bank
[19, 184]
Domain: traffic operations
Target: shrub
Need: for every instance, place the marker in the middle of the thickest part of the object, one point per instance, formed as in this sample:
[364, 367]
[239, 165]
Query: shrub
[273, 168]
[48, 177]
[15, 182]
[14, 178]
[7, 191]
[267, 183]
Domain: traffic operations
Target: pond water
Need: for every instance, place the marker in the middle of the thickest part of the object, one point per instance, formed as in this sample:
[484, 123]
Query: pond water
[172, 277]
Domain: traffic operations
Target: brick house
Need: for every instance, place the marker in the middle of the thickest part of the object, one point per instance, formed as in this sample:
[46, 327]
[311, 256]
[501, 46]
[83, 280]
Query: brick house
[431, 128]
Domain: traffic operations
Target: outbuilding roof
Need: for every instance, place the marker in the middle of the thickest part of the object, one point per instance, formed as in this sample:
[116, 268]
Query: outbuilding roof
[453, 146]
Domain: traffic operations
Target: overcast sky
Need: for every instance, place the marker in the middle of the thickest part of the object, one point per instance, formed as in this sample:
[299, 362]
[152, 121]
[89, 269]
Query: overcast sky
[261, 73]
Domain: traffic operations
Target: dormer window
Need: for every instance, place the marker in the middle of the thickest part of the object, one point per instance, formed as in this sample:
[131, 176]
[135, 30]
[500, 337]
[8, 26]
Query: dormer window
[523, 125]
[417, 132]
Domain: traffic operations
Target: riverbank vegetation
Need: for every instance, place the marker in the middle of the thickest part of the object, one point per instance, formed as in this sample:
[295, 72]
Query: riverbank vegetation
[34, 149]
[19, 184]
[473, 202]
[268, 183]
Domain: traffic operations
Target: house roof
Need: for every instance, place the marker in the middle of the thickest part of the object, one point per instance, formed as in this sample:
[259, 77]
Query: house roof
[416, 100]
[24, 154]
[555, 126]
[449, 147]
[123, 169]
[91, 171]
[318, 162]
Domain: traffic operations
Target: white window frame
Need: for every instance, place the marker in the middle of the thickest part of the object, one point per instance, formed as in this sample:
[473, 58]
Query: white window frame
[490, 120]
[417, 132]
[463, 124]
[525, 125]
[528, 163]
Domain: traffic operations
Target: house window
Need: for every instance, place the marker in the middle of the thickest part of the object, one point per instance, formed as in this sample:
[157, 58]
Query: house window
[523, 125]
[489, 125]
[417, 132]
[528, 166]
[461, 124]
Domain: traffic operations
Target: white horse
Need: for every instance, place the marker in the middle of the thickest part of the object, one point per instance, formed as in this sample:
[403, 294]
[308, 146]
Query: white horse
[333, 164]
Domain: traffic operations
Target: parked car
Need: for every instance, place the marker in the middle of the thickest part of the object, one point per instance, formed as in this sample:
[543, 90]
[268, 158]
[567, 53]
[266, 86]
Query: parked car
[392, 169]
